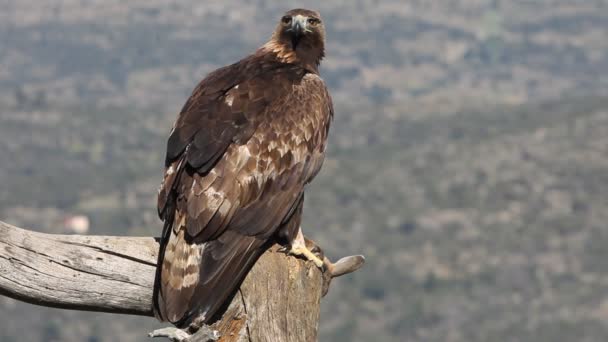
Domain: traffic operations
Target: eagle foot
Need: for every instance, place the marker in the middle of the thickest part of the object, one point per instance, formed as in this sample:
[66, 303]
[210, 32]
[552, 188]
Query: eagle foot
[173, 334]
[308, 255]
[309, 250]
[204, 333]
[330, 269]
[306, 248]
[343, 266]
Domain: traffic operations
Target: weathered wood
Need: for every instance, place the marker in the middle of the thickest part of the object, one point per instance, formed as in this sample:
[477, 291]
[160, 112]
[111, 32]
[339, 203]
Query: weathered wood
[278, 300]
[95, 273]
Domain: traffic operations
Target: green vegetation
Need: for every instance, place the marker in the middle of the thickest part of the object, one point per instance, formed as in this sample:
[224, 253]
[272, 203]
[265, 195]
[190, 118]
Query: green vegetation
[468, 156]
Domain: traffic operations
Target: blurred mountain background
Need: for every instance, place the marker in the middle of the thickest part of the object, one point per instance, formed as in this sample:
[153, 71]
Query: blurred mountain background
[468, 157]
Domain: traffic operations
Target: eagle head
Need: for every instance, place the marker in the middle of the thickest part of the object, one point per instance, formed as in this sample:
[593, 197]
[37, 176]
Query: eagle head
[300, 37]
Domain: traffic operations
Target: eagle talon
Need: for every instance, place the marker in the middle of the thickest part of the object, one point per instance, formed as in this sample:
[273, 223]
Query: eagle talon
[173, 334]
[198, 332]
[304, 253]
[305, 248]
[308, 255]
[314, 248]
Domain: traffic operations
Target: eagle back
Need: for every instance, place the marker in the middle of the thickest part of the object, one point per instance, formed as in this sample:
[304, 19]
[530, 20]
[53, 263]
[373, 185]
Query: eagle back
[276, 111]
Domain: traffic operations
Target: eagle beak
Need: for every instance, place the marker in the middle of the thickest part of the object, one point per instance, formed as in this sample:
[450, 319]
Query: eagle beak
[298, 25]
[298, 29]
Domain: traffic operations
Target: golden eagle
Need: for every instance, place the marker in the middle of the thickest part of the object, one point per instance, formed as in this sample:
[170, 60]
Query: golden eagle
[243, 148]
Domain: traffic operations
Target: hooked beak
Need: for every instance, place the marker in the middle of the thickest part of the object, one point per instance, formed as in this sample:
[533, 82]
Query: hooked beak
[298, 29]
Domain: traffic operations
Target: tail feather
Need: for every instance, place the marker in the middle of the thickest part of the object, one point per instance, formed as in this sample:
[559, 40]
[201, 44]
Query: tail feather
[194, 280]
[225, 263]
[178, 274]
[164, 239]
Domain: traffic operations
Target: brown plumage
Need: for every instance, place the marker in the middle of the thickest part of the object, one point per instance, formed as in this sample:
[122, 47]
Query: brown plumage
[245, 144]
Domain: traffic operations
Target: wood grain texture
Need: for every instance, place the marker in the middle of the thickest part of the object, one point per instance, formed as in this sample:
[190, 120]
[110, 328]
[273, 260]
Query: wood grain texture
[95, 273]
[278, 301]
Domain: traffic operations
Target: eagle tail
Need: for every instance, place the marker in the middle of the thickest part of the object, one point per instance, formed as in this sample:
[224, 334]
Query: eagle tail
[196, 279]
[225, 263]
[164, 239]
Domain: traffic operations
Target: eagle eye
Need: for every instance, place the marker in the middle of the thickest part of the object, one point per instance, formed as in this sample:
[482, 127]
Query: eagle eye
[313, 21]
[286, 20]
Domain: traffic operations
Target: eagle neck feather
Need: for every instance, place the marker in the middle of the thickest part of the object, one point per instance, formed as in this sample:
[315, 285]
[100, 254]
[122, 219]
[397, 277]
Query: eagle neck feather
[309, 59]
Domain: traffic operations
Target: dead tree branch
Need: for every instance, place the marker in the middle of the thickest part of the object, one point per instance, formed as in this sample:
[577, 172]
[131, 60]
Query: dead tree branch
[116, 275]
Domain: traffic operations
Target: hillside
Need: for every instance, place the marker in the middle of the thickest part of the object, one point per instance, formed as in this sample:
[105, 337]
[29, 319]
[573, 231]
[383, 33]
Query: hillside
[429, 54]
[467, 158]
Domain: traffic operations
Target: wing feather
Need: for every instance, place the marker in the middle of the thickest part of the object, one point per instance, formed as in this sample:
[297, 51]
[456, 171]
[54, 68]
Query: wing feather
[237, 160]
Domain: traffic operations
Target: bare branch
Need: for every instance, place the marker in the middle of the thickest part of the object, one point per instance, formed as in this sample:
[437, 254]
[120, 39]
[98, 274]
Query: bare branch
[93, 273]
[116, 275]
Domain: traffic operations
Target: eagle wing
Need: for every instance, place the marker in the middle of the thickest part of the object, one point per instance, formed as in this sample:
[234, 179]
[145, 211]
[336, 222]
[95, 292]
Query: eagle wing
[243, 147]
